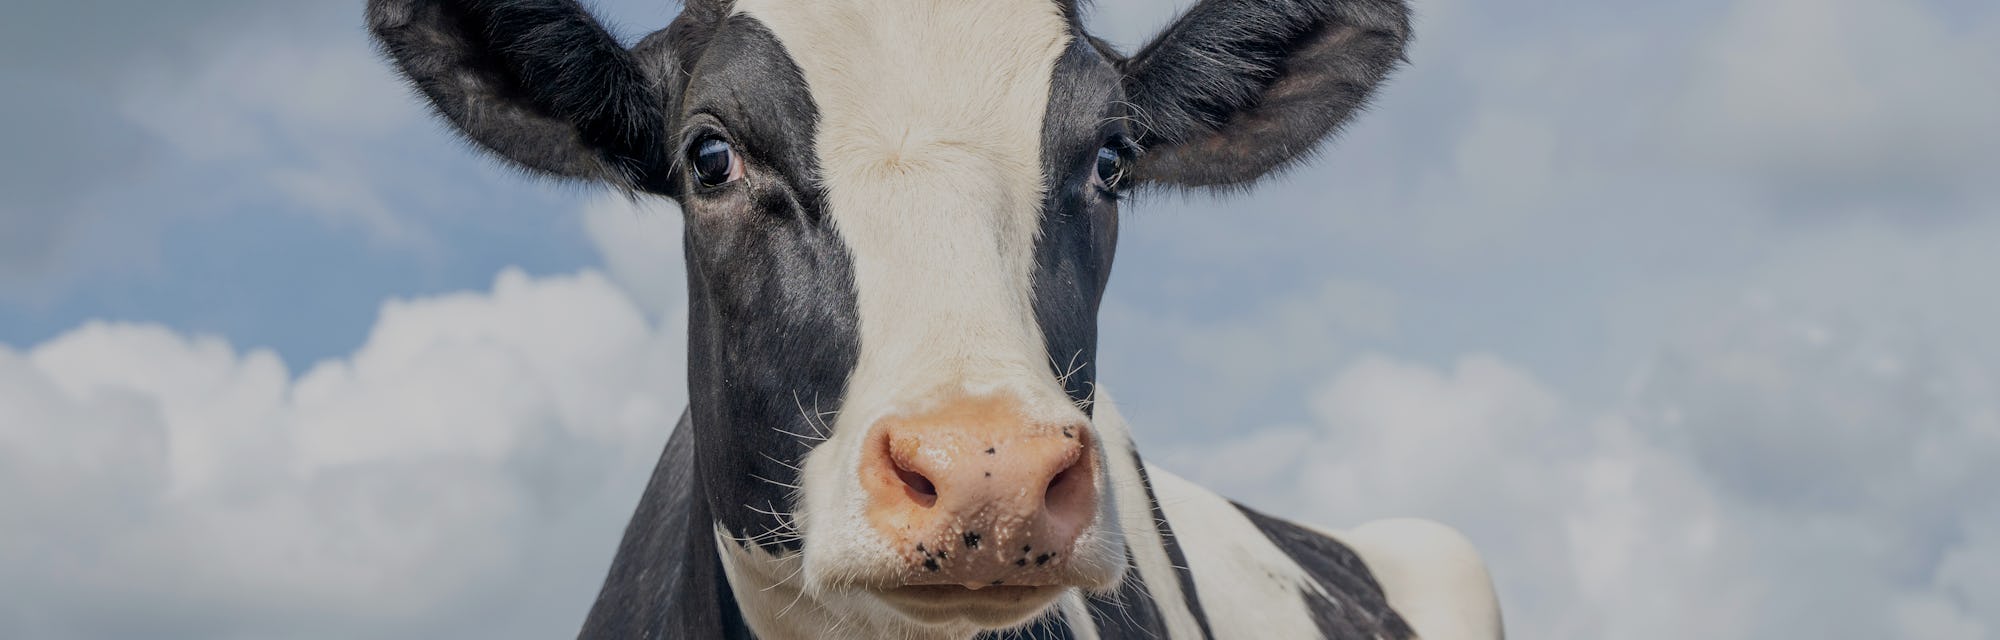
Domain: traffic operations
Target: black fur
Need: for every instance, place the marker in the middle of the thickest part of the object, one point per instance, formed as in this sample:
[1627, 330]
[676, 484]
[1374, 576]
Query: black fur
[1079, 234]
[668, 582]
[536, 82]
[1237, 89]
[1355, 606]
[772, 332]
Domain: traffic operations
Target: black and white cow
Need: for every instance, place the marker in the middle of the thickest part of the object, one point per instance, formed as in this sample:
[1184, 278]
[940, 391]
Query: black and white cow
[900, 218]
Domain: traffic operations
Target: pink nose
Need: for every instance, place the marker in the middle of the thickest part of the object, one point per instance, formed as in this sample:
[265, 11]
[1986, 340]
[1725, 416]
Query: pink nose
[971, 494]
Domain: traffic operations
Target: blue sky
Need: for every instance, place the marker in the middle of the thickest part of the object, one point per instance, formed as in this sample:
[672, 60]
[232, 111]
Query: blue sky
[1682, 311]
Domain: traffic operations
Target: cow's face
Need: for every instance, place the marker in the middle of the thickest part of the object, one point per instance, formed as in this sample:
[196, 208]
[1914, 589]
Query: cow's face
[937, 229]
[900, 219]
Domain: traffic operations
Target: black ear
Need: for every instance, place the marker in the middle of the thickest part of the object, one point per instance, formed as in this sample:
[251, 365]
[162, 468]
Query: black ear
[1240, 88]
[537, 82]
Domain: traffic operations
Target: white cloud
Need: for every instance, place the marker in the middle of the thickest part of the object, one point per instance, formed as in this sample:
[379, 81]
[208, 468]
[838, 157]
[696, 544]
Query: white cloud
[470, 466]
[311, 114]
[1774, 475]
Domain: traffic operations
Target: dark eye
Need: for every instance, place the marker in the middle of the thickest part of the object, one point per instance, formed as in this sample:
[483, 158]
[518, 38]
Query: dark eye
[1110, 168]
[714, 162]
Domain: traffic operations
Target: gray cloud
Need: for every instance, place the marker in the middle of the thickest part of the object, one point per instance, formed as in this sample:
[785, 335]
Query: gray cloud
[462, 472]
[1772, 476]
[70, 61]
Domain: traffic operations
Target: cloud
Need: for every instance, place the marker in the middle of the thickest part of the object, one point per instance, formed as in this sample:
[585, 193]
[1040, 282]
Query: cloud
[468, 469]
[640, 242]
[72, 139]
[1239, 358]
[1845, 102]
[1774, 474]
[309, 115]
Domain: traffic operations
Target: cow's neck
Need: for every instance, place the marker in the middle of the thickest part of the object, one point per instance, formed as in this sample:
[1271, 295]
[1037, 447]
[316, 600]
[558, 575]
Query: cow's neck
[667, 575]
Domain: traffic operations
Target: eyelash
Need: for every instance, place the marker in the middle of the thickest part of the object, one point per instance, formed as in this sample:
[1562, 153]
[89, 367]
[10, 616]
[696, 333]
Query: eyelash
[1119, 152]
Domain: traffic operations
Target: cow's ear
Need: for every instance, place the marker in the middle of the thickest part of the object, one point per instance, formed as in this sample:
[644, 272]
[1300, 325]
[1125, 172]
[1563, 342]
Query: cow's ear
[1237, 89]
[539, 83]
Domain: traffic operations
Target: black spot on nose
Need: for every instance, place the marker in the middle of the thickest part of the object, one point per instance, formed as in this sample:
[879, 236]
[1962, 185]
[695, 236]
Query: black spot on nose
[931, 564]
[1021, 563]
[920, 548]
[989, 451]
[1043, 559]
[971, 539]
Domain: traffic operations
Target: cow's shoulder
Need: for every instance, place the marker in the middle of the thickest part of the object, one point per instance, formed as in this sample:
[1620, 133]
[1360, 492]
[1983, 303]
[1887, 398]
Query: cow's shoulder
[1431, 574]
[1261, 577]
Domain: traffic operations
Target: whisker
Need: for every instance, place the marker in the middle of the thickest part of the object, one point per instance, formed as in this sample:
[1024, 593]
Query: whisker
[781, 463]
[781, 484]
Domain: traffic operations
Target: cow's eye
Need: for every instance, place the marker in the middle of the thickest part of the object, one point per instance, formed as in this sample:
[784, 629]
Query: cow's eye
[1110, 167]
[714, 162]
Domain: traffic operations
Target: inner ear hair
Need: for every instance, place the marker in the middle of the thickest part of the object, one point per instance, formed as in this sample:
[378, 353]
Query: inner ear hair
[539, 83]
[1239, 89]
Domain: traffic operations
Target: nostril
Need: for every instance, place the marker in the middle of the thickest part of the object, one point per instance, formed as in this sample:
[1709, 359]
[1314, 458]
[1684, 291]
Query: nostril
[918, 487]
[1060, 484]
[1071, 495]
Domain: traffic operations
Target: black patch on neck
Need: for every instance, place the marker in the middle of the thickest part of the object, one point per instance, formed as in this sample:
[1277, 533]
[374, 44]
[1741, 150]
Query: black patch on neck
[1354, 606]
[1129, 612]
[667, 580]
[771, 303]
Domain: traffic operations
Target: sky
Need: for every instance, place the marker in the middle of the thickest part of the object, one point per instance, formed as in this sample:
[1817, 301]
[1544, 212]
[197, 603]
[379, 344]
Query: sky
[1683, 312]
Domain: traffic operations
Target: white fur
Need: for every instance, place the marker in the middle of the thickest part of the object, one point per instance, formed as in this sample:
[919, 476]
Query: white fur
[1142, 533]
[1077, 614]
[1249, 588]
[777, 604]
[929, 145]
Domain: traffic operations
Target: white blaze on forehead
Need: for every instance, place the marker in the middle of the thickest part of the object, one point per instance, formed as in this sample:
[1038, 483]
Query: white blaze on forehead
[929, 144]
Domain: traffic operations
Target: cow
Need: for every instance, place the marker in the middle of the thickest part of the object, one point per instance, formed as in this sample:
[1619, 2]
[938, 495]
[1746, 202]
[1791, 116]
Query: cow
[900, 217]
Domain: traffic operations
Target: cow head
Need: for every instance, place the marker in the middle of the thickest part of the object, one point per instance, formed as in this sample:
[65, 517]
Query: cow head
[900, 218]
